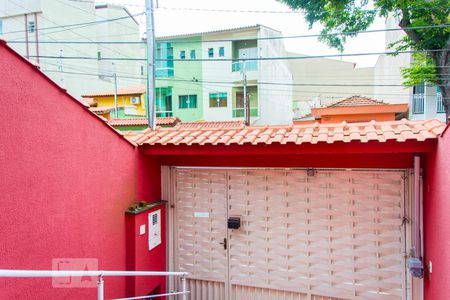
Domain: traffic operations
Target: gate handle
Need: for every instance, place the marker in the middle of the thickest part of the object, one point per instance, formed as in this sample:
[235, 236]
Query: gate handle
[224, 243]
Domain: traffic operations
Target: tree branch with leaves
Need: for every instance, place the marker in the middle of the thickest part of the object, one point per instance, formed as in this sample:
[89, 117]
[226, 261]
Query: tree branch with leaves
[431, 62]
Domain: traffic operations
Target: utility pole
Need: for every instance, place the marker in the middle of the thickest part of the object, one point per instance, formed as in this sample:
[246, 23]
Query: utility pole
[150, 30]
[60, 67]
[116, 109]
[246, 102]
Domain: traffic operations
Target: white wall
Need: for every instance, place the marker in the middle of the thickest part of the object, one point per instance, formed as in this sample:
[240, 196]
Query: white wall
[316, 76]
[275, 101]
[53, 13]
[221, 72]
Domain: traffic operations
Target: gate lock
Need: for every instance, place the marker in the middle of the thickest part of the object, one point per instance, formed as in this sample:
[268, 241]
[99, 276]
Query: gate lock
[234, 222]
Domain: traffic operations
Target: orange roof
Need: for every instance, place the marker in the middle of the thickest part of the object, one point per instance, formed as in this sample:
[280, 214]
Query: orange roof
[101, 109]
[210, 124]
[143, 121]
[357, 101]
[227, 134]
[129, 90]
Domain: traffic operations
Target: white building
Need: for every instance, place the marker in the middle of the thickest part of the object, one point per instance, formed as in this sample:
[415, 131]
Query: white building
[322, 81]
[425, 101]
[269, 103]
[201, 76]
[36, 28]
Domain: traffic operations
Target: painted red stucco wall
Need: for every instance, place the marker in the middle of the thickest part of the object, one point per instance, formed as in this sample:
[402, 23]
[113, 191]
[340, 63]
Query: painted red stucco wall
[437, 221]
[66, 180]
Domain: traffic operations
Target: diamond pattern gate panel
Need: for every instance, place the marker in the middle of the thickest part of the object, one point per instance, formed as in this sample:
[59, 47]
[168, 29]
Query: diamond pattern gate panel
[334, 235]
[200, 227]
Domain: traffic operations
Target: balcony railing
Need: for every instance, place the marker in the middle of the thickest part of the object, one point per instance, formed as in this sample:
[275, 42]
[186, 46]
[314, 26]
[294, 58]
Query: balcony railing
[418, 103]
[439, 103]
[167, 113]
[100, 275]
[240, 112]
[238, 66]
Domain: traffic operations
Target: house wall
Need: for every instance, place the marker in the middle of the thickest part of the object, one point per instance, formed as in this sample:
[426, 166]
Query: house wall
[313, 74]
[358, 118]
[66, 180]
[187, 79]
[275, 101]
[437, 221]
[219, 73]
[122, 100]
[54, 13]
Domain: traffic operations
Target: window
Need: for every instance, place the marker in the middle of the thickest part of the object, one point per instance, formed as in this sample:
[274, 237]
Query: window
[187, 101]
[163, 102]
[210, 52]
[183, 54]
[142, 70]
[1, 26]
[193, 54]
[164, 60]
[31, 26]
[221, 51]
[99, 55]
[218, 100]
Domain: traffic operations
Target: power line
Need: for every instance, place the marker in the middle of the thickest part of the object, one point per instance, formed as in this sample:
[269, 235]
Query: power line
[84, 24]
[253, 58]
[227, 84]
[166, 39]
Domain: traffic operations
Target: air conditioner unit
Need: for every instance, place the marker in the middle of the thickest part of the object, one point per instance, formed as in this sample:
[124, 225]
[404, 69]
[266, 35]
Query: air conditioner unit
[135, 100]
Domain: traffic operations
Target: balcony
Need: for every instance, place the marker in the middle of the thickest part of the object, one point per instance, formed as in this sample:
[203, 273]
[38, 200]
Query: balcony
[240, 112]
[418, 103]
[439, 103]
[161, 114]
[238, 66]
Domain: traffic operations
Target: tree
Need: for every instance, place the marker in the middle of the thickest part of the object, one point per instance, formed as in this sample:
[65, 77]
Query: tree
[431, 64]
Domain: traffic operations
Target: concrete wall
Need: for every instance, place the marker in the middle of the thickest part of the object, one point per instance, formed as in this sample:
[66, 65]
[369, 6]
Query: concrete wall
[221, 73]
[437, 221]
[313, 75]
[66, 180]
[53, 13]
[275, 100]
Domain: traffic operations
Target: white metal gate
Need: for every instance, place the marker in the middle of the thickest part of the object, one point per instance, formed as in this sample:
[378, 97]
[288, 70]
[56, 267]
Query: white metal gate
[335, 234]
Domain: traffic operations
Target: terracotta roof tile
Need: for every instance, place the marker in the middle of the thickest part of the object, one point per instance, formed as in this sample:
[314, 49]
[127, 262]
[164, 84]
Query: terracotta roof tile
[223, 133]
[356, 101]
[143, 121]
[101, 109]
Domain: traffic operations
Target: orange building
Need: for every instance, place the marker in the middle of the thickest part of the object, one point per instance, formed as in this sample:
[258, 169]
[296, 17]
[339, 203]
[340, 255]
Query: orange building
[355, 109]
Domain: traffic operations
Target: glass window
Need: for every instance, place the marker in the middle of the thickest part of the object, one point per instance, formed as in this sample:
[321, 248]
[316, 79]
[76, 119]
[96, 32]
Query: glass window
[31, 27]
[210, 52]
[99, 55]
[163, 102]
[187, 101]
[218, 100]
[221, 51]
[183, 54]
[193, 54]
[142, 70]
[164, 60]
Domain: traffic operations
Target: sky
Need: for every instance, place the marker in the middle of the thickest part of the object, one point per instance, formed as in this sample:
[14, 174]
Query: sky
[172, 17]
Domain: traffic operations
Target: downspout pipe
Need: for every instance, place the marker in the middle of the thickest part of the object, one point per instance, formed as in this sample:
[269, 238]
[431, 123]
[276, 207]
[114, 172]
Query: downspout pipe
[415, 263]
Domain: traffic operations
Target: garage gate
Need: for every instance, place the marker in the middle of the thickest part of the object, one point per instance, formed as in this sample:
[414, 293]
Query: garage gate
[305, 234]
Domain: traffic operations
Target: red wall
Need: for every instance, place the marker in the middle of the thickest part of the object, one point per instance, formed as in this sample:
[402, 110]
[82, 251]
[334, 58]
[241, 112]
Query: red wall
[66, 180]
[437, 221]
